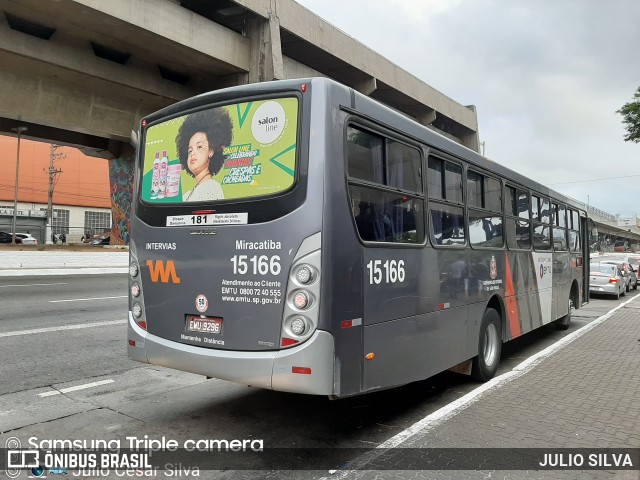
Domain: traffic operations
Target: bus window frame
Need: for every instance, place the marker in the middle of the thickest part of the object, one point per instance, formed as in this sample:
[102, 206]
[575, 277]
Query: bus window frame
[570, 228]
[556, 207]
[432, 152]
[373, 128]
[484, 210]
[518, 189]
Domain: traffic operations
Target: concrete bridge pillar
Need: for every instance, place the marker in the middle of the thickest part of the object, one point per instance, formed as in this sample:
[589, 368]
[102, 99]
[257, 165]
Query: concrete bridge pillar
[265, 49]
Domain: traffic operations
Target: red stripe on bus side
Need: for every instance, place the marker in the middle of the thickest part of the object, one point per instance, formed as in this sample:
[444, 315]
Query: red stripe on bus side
[512, 304]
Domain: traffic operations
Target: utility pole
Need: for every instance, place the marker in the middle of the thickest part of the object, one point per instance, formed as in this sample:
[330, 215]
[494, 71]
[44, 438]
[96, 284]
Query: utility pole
[19, 131]
[53, 173]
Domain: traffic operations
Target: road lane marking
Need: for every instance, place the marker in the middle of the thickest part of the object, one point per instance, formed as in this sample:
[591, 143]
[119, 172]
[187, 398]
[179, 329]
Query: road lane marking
[447, 412]
[33, 285]
[61, 328]
[75, 389]
[85, 299]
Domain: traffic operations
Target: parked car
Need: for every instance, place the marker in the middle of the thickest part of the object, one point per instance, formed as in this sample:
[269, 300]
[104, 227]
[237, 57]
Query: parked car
[5, 237]
[607, 279]
[630, 273]
[26, 239]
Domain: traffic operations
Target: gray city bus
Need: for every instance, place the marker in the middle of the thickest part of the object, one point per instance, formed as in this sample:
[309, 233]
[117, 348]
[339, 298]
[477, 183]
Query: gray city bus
[299, 236]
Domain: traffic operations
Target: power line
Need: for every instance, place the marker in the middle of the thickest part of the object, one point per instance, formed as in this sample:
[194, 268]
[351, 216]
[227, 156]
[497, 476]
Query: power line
[594, 180]
[35, 191]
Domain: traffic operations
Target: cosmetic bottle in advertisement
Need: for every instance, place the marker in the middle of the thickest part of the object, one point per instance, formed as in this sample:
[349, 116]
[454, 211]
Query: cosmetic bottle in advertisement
[162, 181]
[173, 180]
[155, 177]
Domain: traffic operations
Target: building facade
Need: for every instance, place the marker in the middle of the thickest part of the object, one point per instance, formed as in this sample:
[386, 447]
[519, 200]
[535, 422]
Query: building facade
[81, 199]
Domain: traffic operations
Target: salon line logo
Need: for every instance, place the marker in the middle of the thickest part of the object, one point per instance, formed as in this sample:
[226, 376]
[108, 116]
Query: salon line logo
[159, 271]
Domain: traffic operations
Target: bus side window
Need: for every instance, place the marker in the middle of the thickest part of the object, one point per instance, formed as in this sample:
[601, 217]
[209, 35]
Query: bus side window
[517, 223]
[444, 181]
[484, 201]
[387, 217]
[375, 165]
[541, 215]
[447, 225]
[573, 222]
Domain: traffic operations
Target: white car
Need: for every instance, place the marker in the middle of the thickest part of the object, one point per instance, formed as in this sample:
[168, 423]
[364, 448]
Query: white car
[26, 239]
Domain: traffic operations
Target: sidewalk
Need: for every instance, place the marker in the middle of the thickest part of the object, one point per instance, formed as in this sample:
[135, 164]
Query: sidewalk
[583, 393]
[61, 262]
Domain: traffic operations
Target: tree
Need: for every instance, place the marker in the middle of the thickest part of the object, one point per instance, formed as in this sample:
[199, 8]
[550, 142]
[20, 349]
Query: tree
[631, 118]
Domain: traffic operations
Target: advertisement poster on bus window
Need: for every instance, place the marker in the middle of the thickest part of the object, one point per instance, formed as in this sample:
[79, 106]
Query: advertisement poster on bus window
[236, 151]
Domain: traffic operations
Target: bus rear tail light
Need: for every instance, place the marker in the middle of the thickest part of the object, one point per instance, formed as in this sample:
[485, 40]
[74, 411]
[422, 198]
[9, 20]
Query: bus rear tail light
[298, 326]
[304, 275]
[136, 297]
[302, 305]
[137, 311]
[133, 269]
[301, 300]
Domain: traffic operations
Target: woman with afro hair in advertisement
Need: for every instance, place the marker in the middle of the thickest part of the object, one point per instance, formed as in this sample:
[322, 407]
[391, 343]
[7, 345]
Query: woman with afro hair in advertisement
[200, 142]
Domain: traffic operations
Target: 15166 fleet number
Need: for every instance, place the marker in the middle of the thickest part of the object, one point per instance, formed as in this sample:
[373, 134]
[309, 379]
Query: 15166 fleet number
[388, 271]
[256, 265]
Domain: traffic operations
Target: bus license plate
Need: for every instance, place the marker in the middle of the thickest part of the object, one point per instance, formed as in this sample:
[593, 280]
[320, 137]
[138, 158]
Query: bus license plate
[198, 324]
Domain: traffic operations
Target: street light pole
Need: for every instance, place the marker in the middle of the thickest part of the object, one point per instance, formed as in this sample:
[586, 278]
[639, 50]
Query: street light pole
[19, 131]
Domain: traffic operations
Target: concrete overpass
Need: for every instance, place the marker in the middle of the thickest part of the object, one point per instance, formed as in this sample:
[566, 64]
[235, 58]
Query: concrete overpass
[84, 72]
[610, 232]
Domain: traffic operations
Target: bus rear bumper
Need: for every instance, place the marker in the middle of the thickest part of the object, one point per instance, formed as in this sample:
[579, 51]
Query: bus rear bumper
[273, 370]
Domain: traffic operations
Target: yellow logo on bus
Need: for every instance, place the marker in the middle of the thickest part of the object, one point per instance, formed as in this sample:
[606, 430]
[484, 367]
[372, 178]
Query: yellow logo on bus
[162, 272]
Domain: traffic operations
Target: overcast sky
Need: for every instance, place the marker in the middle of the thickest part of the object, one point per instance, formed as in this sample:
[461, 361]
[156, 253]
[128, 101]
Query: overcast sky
[546, 77]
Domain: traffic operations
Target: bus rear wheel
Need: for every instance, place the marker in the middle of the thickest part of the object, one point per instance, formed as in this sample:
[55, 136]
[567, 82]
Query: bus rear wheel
[485, 365]
[564, 322]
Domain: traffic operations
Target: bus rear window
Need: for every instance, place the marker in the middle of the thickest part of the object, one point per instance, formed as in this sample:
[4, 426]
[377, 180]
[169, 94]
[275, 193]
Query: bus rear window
[237, 151]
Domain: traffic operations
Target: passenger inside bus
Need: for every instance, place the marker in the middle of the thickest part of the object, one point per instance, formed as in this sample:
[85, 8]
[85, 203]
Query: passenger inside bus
[373, 223]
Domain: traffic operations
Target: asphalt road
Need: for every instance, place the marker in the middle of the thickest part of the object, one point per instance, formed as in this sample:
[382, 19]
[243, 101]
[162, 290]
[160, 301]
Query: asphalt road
[119, 398]
[48, 356]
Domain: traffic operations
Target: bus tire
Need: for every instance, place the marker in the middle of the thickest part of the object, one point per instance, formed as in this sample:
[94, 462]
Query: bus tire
[563, 322]
[485, 364]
